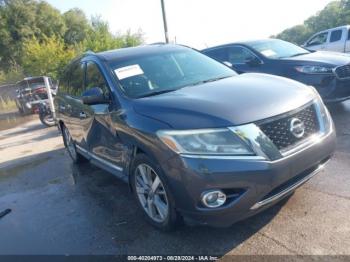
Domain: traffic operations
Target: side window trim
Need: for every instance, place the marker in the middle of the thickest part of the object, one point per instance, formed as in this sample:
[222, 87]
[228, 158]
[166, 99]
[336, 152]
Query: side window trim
[317, 35]
[249, 51]
[100, 71]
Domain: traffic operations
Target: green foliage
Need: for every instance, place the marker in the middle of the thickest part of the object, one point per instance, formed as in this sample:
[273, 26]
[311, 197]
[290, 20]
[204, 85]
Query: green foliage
[77, 26]
[47, 57]
[7, 105]
[297, 34]
[21, 20]
[12, 75]
[36, 39]
[49, 21]
[335, 14]
[99, 38]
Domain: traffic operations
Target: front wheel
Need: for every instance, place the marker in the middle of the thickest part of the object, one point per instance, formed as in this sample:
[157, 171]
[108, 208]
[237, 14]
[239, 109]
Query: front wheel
[47, 119]
[152, 194]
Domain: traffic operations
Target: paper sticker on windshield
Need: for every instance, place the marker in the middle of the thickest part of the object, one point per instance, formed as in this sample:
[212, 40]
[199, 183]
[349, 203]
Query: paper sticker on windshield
[268, 52]
[128, 71]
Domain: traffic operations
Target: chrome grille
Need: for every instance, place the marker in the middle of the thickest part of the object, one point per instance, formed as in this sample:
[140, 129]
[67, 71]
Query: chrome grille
[278, 130]
[343, 72]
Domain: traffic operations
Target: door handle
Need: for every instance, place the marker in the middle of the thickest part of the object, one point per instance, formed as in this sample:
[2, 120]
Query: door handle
[82, 115]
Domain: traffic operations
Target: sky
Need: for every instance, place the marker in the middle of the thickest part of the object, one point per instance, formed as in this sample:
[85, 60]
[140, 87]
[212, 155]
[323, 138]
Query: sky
[199, 23]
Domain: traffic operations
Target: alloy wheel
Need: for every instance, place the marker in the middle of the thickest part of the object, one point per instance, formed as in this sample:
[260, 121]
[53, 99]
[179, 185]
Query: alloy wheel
[151, 193]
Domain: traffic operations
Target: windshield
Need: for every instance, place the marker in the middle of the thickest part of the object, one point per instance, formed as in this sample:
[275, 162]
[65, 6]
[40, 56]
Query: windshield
[277, 49]
[158, 73]
[36, 83]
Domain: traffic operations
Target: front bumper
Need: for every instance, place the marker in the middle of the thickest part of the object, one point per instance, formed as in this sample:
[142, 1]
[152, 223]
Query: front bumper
[252, 185]
[340, 92]
[332, 89]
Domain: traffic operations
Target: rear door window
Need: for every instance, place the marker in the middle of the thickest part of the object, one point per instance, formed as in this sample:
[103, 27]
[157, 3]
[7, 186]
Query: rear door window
[239, 55]
[336, 36]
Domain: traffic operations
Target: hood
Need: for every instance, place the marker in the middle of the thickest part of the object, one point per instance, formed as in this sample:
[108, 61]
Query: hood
[331, 58]
[228, 102]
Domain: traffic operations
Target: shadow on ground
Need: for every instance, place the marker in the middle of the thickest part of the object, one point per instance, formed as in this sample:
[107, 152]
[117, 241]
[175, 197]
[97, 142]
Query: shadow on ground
[13, 119]
[59, 207]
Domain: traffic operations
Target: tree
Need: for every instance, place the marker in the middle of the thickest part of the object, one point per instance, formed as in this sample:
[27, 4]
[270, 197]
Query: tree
[48, 21]
[100, 39]
[327, 18]
[35, 38]
[48, 57]
[335, 14]
[17, 19]
[77, 26]
[297, 34]
[132, 39]
[21, 20]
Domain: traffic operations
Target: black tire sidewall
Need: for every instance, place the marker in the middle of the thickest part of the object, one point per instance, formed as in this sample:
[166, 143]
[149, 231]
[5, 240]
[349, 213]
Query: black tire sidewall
[42, 119]
[79, 158]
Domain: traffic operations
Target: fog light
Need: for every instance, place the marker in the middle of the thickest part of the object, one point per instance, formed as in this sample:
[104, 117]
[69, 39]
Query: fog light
[214, 199]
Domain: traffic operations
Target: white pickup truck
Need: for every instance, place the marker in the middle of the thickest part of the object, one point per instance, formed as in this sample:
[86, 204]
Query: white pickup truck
[335, 39]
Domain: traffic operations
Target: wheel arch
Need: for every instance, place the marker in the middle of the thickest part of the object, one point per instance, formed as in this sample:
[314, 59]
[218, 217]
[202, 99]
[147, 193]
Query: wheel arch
[135, 150]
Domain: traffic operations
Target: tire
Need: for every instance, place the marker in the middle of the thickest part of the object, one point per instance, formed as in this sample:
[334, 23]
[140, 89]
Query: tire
[47, 120]
[158, 206]
[71, 147]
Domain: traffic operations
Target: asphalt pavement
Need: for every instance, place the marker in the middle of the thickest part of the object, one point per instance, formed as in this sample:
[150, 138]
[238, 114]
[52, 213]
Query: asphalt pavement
[60, 208]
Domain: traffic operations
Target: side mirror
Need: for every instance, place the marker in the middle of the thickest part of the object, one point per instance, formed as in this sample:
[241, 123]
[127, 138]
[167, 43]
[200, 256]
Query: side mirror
[253, 62]
[94, 96]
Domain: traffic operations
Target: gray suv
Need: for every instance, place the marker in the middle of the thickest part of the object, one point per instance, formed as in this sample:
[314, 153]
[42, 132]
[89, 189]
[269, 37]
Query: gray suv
[194, 140]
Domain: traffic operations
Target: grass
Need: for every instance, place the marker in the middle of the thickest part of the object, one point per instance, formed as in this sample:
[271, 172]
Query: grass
[7, 105]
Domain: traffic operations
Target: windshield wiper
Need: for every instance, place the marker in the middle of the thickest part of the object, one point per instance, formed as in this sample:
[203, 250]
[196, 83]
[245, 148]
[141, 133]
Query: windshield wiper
[209, 80]
[174, 89]
[157, 92]
[298, 54]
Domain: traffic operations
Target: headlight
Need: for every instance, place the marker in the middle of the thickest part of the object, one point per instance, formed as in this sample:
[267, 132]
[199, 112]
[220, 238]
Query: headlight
[325, 117]
[205, 141]
[314, 69]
